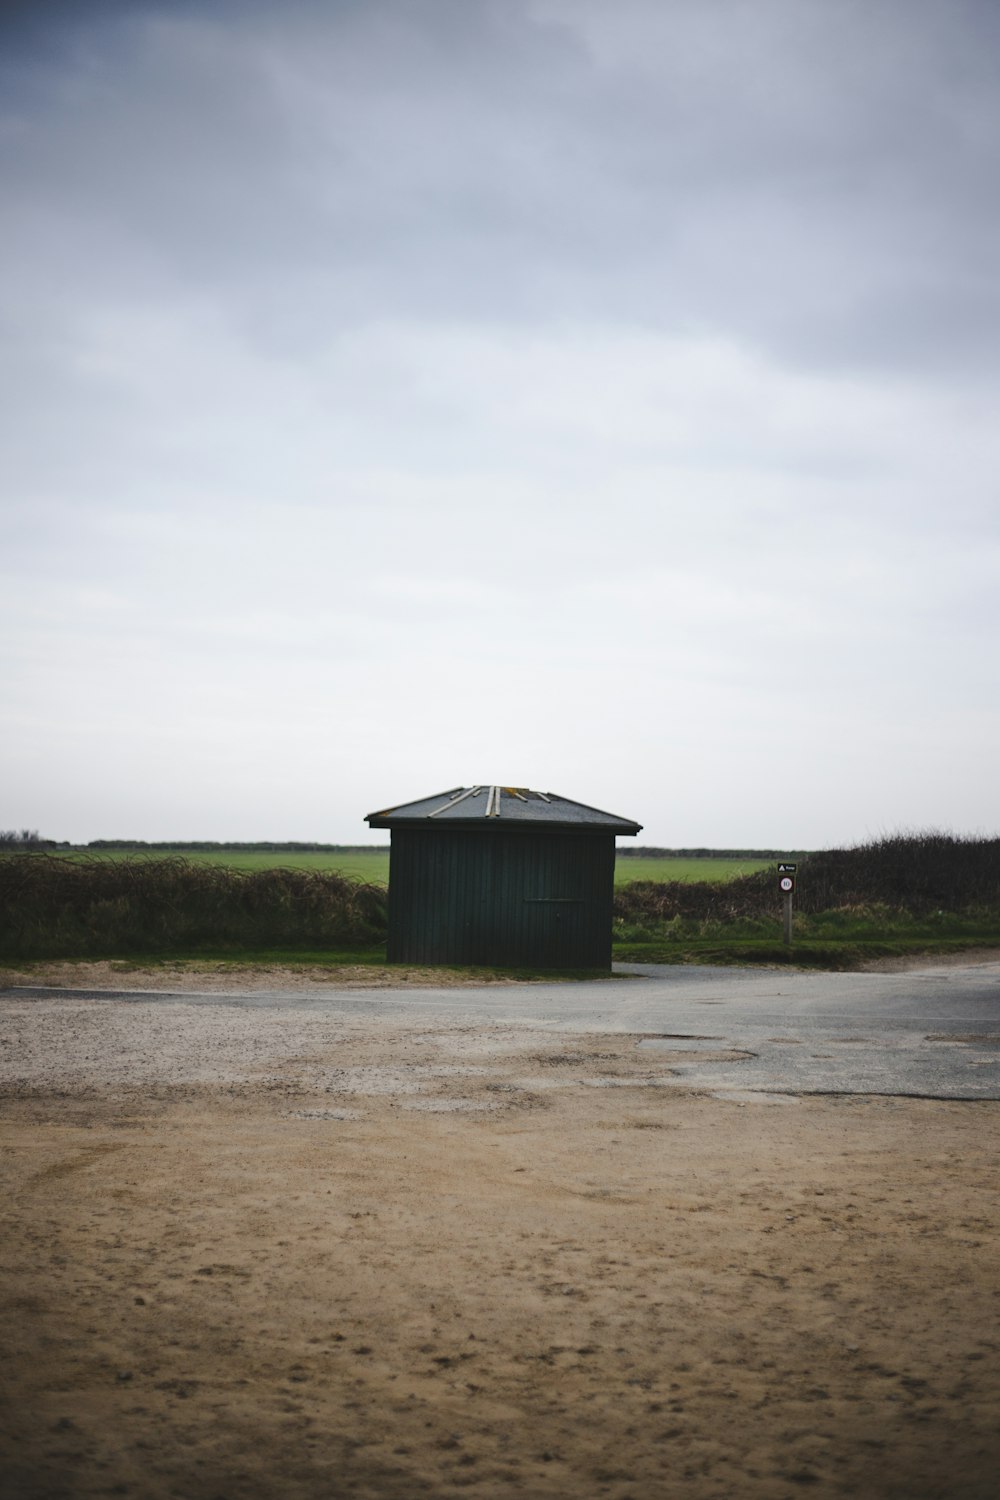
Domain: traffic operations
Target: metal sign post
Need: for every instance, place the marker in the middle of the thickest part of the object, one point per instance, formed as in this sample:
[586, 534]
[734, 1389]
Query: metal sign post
[786, 884]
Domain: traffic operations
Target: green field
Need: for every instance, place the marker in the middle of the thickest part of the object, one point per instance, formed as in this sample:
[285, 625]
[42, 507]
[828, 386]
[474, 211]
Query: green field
[374, 866]
[639, 868]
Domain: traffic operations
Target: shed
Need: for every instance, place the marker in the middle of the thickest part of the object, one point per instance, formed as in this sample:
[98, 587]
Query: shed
[501, 875]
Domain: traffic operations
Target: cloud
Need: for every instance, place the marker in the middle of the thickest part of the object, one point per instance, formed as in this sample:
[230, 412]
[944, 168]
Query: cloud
[817, 179]
[586, 397]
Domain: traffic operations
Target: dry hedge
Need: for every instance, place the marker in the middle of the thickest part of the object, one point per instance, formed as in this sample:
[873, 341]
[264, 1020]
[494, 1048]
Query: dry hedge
[916, 873]
[53, 907]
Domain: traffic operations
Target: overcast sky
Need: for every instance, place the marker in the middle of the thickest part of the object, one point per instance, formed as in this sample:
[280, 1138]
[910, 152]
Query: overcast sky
[602, 398]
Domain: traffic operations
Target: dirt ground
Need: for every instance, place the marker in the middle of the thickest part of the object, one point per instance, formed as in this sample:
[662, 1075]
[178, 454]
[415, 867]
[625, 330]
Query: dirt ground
[223, 976]
[271, 1253]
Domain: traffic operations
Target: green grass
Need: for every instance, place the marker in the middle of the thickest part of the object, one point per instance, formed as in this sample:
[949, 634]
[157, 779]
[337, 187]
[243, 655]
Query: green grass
[842, 939]
[809, 953]
[373, 867]
[665, 868]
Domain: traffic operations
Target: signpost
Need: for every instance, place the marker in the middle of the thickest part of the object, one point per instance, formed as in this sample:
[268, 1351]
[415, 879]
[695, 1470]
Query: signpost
[786, 884]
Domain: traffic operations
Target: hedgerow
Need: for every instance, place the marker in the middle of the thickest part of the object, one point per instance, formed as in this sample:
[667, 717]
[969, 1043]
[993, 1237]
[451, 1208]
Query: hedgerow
[916, 874]
[52, 907]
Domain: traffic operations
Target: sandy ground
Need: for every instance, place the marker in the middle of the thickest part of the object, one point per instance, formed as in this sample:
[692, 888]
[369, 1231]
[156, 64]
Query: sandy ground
[273, 1253]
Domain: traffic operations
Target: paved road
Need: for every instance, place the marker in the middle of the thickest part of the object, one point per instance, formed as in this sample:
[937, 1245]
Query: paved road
[932, 1032]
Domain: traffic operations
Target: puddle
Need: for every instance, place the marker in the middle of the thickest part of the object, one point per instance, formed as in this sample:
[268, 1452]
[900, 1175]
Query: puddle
[751, 1096]
[322, 1114]
[669, 1039]
[616, 1082]
[450, 1106]
[372, 1080]
[695, 1052]
[982, 1039]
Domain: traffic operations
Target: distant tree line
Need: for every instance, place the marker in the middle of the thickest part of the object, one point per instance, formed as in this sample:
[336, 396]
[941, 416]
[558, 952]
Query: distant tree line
[29, 838]
[261, 846]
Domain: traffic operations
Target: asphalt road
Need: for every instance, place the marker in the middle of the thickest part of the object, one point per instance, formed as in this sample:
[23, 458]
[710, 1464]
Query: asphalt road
[932, 1033]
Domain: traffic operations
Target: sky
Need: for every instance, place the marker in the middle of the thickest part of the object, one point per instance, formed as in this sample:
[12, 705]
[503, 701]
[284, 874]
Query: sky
[403, 394]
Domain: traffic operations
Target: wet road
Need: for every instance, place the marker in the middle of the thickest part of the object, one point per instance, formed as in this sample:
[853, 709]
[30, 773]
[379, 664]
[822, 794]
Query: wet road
[932, 1032]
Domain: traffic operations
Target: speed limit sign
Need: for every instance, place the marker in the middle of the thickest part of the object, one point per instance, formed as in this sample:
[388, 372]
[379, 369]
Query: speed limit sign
[786, 885]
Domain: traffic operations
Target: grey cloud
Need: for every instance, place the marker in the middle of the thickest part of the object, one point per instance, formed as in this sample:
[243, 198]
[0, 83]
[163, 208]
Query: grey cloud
[817, 179]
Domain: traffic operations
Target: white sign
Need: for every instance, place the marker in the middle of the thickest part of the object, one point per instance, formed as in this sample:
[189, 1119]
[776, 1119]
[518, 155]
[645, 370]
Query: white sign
[787, 883]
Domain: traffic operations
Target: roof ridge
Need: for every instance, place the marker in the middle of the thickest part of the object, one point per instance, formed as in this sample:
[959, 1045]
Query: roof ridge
[522, 808]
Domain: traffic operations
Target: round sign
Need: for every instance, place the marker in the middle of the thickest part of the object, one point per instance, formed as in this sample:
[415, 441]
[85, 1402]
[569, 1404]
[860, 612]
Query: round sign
[787, 883]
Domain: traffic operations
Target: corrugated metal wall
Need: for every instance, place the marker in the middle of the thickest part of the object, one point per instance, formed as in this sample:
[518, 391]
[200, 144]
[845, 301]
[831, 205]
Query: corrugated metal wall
[542, 899]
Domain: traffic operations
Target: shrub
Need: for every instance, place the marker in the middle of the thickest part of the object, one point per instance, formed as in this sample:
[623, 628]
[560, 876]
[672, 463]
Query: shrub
[897, 877]
[55, 907]
[920, 872]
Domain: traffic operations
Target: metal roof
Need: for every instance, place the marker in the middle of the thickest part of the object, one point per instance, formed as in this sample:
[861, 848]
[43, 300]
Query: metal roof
[500, 806]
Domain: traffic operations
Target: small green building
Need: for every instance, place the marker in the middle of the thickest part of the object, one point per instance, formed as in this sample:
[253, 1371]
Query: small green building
[501, 876]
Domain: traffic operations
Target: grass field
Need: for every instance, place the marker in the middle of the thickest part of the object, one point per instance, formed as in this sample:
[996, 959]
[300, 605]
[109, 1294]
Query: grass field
[374, 866]
[686, 870]
[371, 867]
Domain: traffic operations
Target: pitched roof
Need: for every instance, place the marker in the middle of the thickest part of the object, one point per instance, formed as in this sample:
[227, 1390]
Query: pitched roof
[500, 806]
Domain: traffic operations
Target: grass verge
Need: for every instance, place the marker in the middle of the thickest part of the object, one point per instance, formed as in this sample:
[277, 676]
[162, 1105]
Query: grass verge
[810, 953]
[222, 962]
